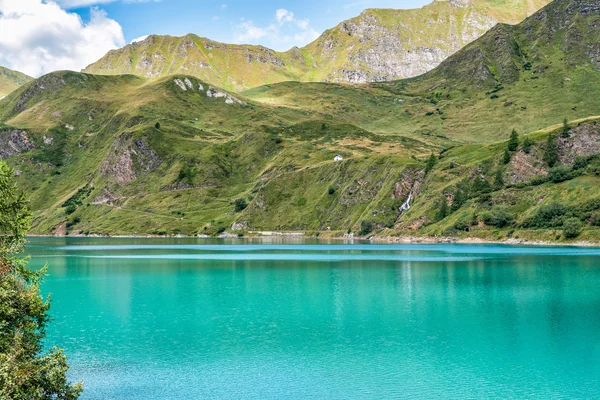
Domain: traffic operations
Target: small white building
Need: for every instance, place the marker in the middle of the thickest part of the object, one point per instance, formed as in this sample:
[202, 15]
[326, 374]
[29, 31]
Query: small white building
[338, 158]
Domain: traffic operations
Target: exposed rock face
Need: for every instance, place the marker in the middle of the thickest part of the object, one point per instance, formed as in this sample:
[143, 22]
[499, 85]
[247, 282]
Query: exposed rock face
[378, 45]
[14, 141]
[584, 140]
[127, 158]
[524, 167]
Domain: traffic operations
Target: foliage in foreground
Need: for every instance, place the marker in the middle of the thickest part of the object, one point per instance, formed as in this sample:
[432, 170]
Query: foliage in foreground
[25, 373]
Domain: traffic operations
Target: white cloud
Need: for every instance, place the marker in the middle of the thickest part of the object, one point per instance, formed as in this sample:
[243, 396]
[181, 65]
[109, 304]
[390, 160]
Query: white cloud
[39, 37]
[285, 31]
[282, 15]
[140, 39]
[85, 3]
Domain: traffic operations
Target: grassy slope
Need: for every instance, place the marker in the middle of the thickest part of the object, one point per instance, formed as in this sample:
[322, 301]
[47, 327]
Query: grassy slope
[526, 77]
[11, 80]
[239, 67]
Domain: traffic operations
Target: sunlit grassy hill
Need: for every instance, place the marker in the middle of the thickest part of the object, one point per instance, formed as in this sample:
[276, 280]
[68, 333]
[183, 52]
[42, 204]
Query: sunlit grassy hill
[378, 45]
[11, 80]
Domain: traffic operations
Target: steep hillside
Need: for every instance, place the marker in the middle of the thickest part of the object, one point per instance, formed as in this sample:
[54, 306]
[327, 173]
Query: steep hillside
[11, 80]
[378, 45]
[526, 76]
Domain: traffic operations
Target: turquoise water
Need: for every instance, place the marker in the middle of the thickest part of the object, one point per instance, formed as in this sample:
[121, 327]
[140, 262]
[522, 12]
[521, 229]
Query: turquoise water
[185, 319]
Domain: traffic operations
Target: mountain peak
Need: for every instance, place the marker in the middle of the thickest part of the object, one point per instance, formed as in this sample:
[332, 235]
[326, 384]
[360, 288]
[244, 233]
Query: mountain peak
[378, 45]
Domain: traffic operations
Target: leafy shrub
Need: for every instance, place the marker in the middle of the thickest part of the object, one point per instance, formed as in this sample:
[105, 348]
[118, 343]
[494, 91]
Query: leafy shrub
[431, 161]
[560, 174]
[580, 162]
[70, 209]
[548, 216]
[240, 205]
[366, 227]
[188, 174]
[572, 228]
[462, 224]
[157, 125]
[498, 217]
[331, 190]
[76, 200]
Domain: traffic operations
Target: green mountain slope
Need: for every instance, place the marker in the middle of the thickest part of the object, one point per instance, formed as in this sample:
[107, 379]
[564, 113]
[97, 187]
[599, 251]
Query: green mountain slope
[378, 45]
[11, 80]
[175, 155]
[527, 77]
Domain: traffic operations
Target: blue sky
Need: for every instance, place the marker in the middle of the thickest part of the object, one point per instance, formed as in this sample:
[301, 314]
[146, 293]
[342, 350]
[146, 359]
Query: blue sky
[230, 20]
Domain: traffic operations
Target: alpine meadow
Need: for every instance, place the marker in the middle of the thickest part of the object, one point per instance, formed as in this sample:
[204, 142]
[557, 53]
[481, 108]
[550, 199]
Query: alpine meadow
[406, 205]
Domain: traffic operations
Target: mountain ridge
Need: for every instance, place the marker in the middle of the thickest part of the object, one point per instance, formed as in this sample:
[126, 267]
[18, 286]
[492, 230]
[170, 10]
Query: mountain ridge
[11, 80]
[377, 45]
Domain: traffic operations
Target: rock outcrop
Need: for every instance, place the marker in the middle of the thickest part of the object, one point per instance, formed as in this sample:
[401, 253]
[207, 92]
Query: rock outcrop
[14, 141]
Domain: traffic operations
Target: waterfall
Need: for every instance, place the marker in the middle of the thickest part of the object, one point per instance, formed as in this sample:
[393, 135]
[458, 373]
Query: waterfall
[406, 205]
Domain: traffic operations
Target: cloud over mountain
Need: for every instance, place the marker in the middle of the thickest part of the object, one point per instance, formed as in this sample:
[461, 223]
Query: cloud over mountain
[38, 37]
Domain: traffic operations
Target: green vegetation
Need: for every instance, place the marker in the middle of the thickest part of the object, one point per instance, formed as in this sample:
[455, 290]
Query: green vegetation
[11, 80]
[25, 373]
[366, 227]
[239, 67]
[513, 142]
[572, 228]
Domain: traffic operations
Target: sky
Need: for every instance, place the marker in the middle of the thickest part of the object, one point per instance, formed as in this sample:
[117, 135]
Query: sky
[41, 36]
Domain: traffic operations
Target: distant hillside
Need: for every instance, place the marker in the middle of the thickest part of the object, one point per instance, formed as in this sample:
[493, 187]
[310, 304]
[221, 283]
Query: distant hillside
[178, 155]
[11, 80]
[378, 45]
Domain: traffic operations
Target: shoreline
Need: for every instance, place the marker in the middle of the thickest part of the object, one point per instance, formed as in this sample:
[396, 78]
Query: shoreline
[348, 238]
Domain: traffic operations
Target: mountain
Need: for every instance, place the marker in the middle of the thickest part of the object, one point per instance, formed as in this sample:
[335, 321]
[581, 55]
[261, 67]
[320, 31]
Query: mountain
[378, 45]
[178, 155]
[11, 80]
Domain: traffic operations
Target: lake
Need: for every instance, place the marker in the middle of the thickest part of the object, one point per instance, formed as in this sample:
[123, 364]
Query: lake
[243, 319]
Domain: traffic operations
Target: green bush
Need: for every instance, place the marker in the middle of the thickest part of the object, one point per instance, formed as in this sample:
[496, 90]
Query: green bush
[560, 174]
[240, 205]
[527, 143]
[548, 216]
[462, 224]
[580, 162]
[188, 174]
[498, 217]
[366, 227]
[431, 161]
[572, 228]
[331, 190]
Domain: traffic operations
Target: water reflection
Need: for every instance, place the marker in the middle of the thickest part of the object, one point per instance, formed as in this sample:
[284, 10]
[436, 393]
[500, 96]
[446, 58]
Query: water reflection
[324, 321]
